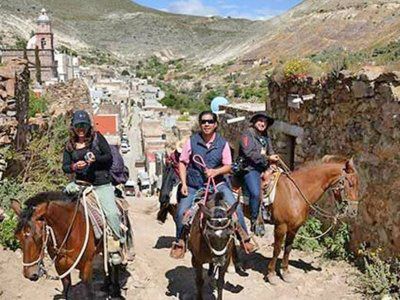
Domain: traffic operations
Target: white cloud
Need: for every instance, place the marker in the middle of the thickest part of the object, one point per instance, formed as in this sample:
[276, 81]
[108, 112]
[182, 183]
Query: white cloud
[192, 7]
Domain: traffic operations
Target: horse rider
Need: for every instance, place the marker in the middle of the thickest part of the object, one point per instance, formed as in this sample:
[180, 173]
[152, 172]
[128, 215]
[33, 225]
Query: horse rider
[92, 164]
[215, 151]
[255, 148]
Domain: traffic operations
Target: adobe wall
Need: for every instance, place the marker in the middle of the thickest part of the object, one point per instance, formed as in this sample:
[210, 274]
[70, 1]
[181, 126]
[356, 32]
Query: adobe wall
[14, 103]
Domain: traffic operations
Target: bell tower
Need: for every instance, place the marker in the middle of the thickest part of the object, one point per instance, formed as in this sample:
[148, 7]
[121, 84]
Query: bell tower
[44, 36]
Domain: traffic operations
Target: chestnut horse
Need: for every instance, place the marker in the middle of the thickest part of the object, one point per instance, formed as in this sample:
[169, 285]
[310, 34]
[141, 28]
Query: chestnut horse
[211, 240]
[295, 196]
[66, 219]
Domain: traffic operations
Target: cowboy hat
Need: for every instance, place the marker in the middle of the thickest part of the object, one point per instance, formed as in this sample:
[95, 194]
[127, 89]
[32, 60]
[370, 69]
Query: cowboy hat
[262, 114]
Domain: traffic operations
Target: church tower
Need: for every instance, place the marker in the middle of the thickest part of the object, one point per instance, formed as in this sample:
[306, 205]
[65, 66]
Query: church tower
[44, 36]
[44, 41]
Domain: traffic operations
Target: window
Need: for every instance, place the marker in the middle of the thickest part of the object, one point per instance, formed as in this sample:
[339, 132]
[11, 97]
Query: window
[43, 43]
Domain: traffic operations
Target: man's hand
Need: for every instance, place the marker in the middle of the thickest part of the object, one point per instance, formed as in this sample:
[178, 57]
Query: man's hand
[184, 190]
[211, 173]
[273, 158]
[80, 165]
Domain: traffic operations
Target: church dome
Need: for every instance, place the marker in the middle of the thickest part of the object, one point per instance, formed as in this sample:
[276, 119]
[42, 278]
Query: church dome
[43, 18]
[31, 43]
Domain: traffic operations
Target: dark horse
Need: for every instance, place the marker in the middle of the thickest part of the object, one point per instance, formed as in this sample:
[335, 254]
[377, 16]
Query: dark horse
[211, 240]
[169, 180]
[290, 209]
[54, 212]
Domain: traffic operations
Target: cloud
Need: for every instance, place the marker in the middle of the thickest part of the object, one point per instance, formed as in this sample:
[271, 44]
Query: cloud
[257, 14]
[192, 7]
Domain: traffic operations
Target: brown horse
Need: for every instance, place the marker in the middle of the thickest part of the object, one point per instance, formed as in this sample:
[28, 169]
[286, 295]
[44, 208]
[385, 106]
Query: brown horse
[211, 240]
[66, 219]
[290, 209]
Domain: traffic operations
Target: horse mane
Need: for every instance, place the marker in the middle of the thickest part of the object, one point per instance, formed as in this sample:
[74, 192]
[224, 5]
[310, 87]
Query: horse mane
[327, 159]
[43, 197]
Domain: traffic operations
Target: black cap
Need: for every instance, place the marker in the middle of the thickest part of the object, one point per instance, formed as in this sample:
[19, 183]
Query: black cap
[262, 114]
[80, 116]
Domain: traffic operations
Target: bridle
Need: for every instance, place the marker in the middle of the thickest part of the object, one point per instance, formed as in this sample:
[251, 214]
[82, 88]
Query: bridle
[225, 224]
[47, 232]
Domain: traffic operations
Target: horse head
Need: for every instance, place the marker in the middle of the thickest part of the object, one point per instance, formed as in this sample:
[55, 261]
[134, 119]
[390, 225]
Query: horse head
[218, 227]
[346, 189]
[32, 236]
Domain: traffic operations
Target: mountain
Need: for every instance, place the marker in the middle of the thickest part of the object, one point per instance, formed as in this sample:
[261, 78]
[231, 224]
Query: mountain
[314, 25]
[135, 32]
[130, 30]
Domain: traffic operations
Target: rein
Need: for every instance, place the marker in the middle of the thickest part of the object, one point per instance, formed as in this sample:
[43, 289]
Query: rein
[200, 161]
[48, 231]
[339, 215]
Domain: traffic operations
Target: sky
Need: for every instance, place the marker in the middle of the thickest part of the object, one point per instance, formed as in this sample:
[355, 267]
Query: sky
[249, 9]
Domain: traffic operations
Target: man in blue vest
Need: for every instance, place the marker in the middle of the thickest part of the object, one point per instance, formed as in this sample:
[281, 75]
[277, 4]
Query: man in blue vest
[215, 151]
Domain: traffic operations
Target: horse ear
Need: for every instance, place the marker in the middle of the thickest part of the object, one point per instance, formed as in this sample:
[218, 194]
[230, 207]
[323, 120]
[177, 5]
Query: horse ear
[233, 208]
[16, 206]
[349, 166]
[204, 210]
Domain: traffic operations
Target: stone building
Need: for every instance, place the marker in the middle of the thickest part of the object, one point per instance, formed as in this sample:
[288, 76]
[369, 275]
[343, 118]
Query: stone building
[43, 41]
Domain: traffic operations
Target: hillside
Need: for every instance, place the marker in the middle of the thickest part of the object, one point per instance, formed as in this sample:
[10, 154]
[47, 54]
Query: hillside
[315, 25]
[135, 32]
[130, 30]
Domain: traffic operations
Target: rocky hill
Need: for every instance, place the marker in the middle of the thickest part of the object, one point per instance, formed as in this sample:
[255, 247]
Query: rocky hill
[130, 30]
[133, 31]
[314, 25]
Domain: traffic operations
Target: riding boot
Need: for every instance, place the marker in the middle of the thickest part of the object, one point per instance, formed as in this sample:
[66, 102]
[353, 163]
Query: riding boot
[257, 227]
[178, 250]
[247, 246]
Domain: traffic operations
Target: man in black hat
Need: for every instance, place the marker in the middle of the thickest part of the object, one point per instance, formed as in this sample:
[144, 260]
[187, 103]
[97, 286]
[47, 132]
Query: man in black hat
[256, 149]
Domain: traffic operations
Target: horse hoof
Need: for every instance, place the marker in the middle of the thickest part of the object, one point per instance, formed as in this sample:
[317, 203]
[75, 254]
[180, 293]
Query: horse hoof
[273, 279]
[287, 277]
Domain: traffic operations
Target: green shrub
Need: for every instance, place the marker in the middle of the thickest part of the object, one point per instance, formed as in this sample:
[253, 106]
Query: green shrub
[337, 244]
[379, 277]
[36, 104]
[296, 68]
[7, 230]
[311, 229]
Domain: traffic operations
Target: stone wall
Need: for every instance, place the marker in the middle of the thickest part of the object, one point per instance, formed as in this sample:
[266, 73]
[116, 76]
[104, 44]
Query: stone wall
[353, 115]
[14, 103]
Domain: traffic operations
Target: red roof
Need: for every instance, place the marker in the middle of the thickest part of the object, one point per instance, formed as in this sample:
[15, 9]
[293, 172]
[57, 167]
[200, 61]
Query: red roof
[106, 124]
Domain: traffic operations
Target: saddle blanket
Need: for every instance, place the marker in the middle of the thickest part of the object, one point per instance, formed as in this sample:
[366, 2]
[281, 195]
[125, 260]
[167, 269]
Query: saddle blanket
[268, 194]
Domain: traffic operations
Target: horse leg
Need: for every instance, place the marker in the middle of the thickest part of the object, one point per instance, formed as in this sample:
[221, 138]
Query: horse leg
[86, 277]
[285, 262]
[238, 264]
[210, 270]
[66, 282]
[279, 234]
[199, 277]
[221, 280]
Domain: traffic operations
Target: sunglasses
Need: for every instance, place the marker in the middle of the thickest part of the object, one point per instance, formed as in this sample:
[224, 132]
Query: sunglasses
[81, 126]
[202, 122]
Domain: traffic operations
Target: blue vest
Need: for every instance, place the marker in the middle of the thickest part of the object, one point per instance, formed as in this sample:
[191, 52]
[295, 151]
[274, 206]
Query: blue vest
[212, 157]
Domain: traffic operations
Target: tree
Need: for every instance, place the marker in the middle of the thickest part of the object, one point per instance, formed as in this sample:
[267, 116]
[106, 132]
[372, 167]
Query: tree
[38, 66]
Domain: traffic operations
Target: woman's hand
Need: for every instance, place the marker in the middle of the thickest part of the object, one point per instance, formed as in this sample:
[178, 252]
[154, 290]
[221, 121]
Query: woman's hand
[90, 157]
[79, 165]
[273, 158]
[184, 190]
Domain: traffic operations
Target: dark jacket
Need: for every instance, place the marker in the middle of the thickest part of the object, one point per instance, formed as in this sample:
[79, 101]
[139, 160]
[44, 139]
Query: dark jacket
[250, 146]
[196, 178]
[98, 173]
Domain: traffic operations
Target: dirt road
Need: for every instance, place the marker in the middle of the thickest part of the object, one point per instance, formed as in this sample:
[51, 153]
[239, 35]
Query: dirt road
[154, 275]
